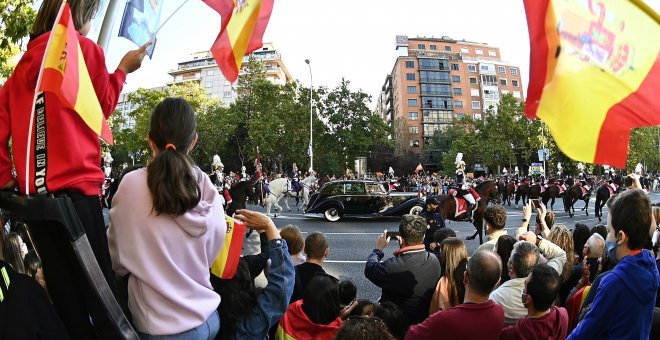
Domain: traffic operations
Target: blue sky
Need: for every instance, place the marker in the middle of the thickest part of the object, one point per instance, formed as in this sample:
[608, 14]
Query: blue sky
[342, 38]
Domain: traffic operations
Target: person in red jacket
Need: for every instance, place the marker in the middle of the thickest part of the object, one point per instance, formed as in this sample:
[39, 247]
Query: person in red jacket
[69, 161]
[543, 320]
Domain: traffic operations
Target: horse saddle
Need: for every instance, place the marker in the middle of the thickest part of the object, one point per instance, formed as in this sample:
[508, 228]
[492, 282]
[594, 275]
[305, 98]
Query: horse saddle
[610, 188]
[543, 187]
[585, 189]
[461, 205]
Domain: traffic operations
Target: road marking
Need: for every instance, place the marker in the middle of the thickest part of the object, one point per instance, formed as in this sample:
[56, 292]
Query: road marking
[343, 261]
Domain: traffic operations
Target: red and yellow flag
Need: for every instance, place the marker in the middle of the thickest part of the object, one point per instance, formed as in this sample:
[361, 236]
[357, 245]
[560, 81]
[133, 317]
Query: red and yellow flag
[226, 262]
[241, 32]
[65, 74]
[594, 74]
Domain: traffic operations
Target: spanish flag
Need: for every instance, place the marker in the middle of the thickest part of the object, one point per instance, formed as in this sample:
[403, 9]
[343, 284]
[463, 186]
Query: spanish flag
[594, 74]
[65, 74]
[241, 32]
[226, 262]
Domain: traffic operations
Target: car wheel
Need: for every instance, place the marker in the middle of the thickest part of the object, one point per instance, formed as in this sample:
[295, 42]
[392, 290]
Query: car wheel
[332, 214]
[416, 210]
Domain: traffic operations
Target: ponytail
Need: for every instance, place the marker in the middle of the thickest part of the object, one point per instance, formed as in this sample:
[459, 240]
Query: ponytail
[170, 175]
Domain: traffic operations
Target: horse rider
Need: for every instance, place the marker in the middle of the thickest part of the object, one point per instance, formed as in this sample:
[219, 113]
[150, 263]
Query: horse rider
[583, 174]
[559, 170]
[219, 180]
[463, 186]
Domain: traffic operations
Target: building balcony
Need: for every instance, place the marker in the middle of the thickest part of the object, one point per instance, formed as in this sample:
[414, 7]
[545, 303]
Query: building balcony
[196, 78]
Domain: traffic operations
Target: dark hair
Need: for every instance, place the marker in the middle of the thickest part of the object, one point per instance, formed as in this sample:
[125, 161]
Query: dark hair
[12, 252]
[484, 269]
[600, 229]
[170, 177]
[495, 215]
[581, 234]
[32, 263]
[359, 308]
[393, 318]
[459, 283]
[543, 286]
[293, 237]
[347, 292]
[321, 299]
[364, 328]
[631, 213]
[442, 234]
[524, 257]
[412, 229]
[504, 248]
[315, 245]
[239, 296]
[82, 11]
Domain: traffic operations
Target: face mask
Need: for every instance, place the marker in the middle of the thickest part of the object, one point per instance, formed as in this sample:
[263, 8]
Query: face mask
[611, 249]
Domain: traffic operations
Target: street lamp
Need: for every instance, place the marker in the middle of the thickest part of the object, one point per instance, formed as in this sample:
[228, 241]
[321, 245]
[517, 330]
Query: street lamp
[311, 112]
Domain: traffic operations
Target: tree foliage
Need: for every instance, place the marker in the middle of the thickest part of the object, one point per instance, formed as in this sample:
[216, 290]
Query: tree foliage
[16, 20]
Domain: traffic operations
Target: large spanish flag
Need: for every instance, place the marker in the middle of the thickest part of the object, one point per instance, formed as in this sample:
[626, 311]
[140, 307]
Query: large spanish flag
[241, 32]
[226, 262]
[65, 74]
[594, 74]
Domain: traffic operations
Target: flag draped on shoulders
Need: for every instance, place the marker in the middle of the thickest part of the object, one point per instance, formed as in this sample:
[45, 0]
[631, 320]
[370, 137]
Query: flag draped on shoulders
[594, 74]
[241, 32]
[65, 74]
[226, 262]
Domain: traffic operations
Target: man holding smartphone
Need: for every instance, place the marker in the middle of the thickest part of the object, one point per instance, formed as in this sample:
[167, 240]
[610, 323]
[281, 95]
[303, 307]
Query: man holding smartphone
[409, 278]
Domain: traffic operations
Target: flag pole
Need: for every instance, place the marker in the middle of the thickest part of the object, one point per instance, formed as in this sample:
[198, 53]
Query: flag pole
[108, 22]
[36, 94]
[153, 36]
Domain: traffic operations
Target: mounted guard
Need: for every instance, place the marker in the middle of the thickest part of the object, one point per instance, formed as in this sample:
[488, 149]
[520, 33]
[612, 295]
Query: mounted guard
[464, 189]
[219, 180]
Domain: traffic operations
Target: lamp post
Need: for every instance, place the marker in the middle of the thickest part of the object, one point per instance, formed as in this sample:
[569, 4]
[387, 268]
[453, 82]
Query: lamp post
[311, 112]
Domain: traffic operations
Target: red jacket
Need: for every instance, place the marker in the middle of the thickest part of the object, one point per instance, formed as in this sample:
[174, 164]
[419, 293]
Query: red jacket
[296, 325]
[72, 150]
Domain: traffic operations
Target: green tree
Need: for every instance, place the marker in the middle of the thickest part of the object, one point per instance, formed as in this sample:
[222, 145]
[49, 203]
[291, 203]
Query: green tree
[16, 20]
[644, 147]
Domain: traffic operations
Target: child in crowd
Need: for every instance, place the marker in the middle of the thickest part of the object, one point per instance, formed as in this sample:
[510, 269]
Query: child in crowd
[167, 226]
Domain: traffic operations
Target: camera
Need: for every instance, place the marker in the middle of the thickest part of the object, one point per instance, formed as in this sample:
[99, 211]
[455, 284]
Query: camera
[535, 203]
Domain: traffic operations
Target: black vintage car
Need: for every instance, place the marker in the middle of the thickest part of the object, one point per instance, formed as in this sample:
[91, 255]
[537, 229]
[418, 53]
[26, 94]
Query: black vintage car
[361, 197]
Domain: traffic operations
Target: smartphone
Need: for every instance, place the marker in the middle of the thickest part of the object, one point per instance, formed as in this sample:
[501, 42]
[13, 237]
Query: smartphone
[535, 203]
[392, 235]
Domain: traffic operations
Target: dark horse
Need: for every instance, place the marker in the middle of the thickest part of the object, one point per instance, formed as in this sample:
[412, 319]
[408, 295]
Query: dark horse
[508, 192]
[574, 194]
[550, 194]
[603, 194]
[487, 190]
[240, 193]
[522, 192]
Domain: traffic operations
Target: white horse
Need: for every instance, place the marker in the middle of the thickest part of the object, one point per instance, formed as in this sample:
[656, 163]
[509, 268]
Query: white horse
[281, 187]
[311, 182]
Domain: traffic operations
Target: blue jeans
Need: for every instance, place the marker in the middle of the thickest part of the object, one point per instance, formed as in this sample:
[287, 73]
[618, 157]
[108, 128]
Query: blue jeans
[208, 330]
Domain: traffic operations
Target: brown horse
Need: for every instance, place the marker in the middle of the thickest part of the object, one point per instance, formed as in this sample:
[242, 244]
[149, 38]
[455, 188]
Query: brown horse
[535, 191]
[522, 192]
[508, 193]
[447, 207]
[603, 194]
[574, 194]
[550, 194]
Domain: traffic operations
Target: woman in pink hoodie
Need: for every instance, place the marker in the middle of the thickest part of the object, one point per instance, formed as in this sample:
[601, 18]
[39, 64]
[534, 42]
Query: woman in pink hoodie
[167, 226]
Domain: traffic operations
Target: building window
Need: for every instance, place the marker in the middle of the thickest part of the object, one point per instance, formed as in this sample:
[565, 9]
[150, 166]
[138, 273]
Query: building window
[501, 69]
[410, 76]
[410, 64]
[479, 51]
[503, 81]
[473, 80]
[472, 68]
[226, 94]
[434, 47]
[514, 71]
[484, 68]
[464, 49]
[209, 84]
[476, 105]
[421, 46]
[458, 91]
[460, 116]
[414, 143]
[492, 53]
[209, 72]
[413, 115]
[458, 104]
[448, 48]
[514, 83]
[455, 79]
[516, 94]
[488, 80]
[505, 92]
[413, 129]
[436, 89]
[454, 67]
[412, 89]
[434, 76]
[477, 116]
[474, 92]
[412, 102]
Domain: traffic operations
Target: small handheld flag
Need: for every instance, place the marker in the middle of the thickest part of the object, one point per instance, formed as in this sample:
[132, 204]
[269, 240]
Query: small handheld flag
[226, 262]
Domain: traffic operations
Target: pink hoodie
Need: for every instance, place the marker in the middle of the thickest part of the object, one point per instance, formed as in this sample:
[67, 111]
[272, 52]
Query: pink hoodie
[168, 257]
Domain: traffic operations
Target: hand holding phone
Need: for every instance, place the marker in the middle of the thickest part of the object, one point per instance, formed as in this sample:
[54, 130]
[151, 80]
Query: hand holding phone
[391, 235]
